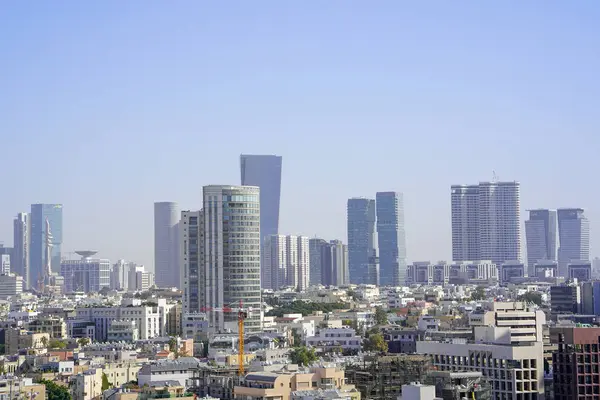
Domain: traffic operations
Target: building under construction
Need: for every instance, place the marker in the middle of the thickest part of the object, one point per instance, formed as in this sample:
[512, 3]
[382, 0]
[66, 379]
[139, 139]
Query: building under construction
[214, 381]
[381, 377]
[459, 385]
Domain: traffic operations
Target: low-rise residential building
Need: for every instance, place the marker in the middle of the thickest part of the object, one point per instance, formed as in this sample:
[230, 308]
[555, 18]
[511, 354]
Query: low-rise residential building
[123, 331]
[16, 339]
[17, 388]
[333, 338]
[272, 385]
[179, 370]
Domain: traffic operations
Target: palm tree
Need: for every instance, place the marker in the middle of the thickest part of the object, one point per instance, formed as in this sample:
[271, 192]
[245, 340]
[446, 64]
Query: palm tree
[44, 341]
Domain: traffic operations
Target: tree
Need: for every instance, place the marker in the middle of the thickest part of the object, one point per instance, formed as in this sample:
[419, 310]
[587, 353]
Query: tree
[296, 338]
[44, 341]
[478, 294]
[105, 383]
[532, 297]
[303, 356]
[55, 391]
[83, 341]
[380, 316]
[173, 344]
[57, 344]
[376, 342]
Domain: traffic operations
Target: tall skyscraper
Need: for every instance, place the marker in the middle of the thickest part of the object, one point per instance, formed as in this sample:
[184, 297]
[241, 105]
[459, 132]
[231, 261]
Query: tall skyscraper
[391, 238]
[166, 245]
[541, 233]
[22, 232]
[40, 214]
[363, 260]
[574, 237]
[191, 232]
[315, 248]
[485, 222]
[285, 262]
[229, 258]
[264, 171]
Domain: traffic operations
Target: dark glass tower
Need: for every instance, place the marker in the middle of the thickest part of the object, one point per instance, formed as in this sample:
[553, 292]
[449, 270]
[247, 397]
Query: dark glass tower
[39, 214]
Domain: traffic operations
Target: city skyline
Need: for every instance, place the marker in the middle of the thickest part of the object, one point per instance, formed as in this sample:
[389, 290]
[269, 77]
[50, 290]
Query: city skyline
[348, 116]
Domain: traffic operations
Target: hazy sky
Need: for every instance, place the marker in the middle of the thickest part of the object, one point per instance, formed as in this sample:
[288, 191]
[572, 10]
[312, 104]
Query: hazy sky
[108, 106]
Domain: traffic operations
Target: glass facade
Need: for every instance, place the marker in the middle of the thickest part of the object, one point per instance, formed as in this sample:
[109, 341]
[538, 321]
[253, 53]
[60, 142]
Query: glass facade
[232, 253]
[39, 213]
[363, 262]
[391, 238]
[86, 275]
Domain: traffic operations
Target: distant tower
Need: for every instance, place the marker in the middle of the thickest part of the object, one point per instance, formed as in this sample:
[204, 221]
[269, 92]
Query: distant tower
[166, 244]
[574, 237]
[45, 277]
[391, 238]
[37, 249]
[363, 260]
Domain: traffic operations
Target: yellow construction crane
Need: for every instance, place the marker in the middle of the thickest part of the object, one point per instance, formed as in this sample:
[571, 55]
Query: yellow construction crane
[242, 314]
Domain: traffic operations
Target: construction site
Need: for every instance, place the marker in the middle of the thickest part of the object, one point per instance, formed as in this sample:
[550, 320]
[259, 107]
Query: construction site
[459, 385]
[381, 377]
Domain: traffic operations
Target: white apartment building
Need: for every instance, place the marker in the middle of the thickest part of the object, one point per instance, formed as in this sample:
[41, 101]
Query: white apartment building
[147, 319]
[123, 331]
[332, 338]
[179, 370]
[486, 222]
[286, 262]
[525, 323]
[10, 285]
[514, 371]
[442, 273]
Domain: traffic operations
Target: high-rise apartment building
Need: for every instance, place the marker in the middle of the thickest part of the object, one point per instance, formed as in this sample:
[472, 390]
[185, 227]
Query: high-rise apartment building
[119, 276]
[541, 233]
[574, 237]
[86, 274]
[315, 246]
[264, 171]
[485, 222]
[285, 262]
[391, 238]
[363, 260]
[166, 245]
[41, 216]
[274, 262]
[191, 233]
[334, 256]
[227, 247]
[21, 235]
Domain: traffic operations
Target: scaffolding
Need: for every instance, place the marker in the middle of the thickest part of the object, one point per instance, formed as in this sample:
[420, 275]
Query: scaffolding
[460, 385]
[382, 377]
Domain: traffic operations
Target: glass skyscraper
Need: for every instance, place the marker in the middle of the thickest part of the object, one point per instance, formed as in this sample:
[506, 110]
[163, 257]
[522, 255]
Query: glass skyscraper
[264, 171]
[37, 255]
[542, 239]
[391, 238]
[363, 262]
[574, 237]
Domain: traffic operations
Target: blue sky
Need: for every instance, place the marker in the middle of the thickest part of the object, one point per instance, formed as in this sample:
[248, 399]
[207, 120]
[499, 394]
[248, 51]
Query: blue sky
[109, 106]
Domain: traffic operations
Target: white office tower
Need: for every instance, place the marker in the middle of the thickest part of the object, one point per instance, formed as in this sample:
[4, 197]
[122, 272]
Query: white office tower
[286, 262]
[541, 234]
[119, 277]
[485, 222]
[166, 245]
[274, 265]
[231, 273]
[86, 274]
[22, 232]
[574, 238]
[10, 285]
